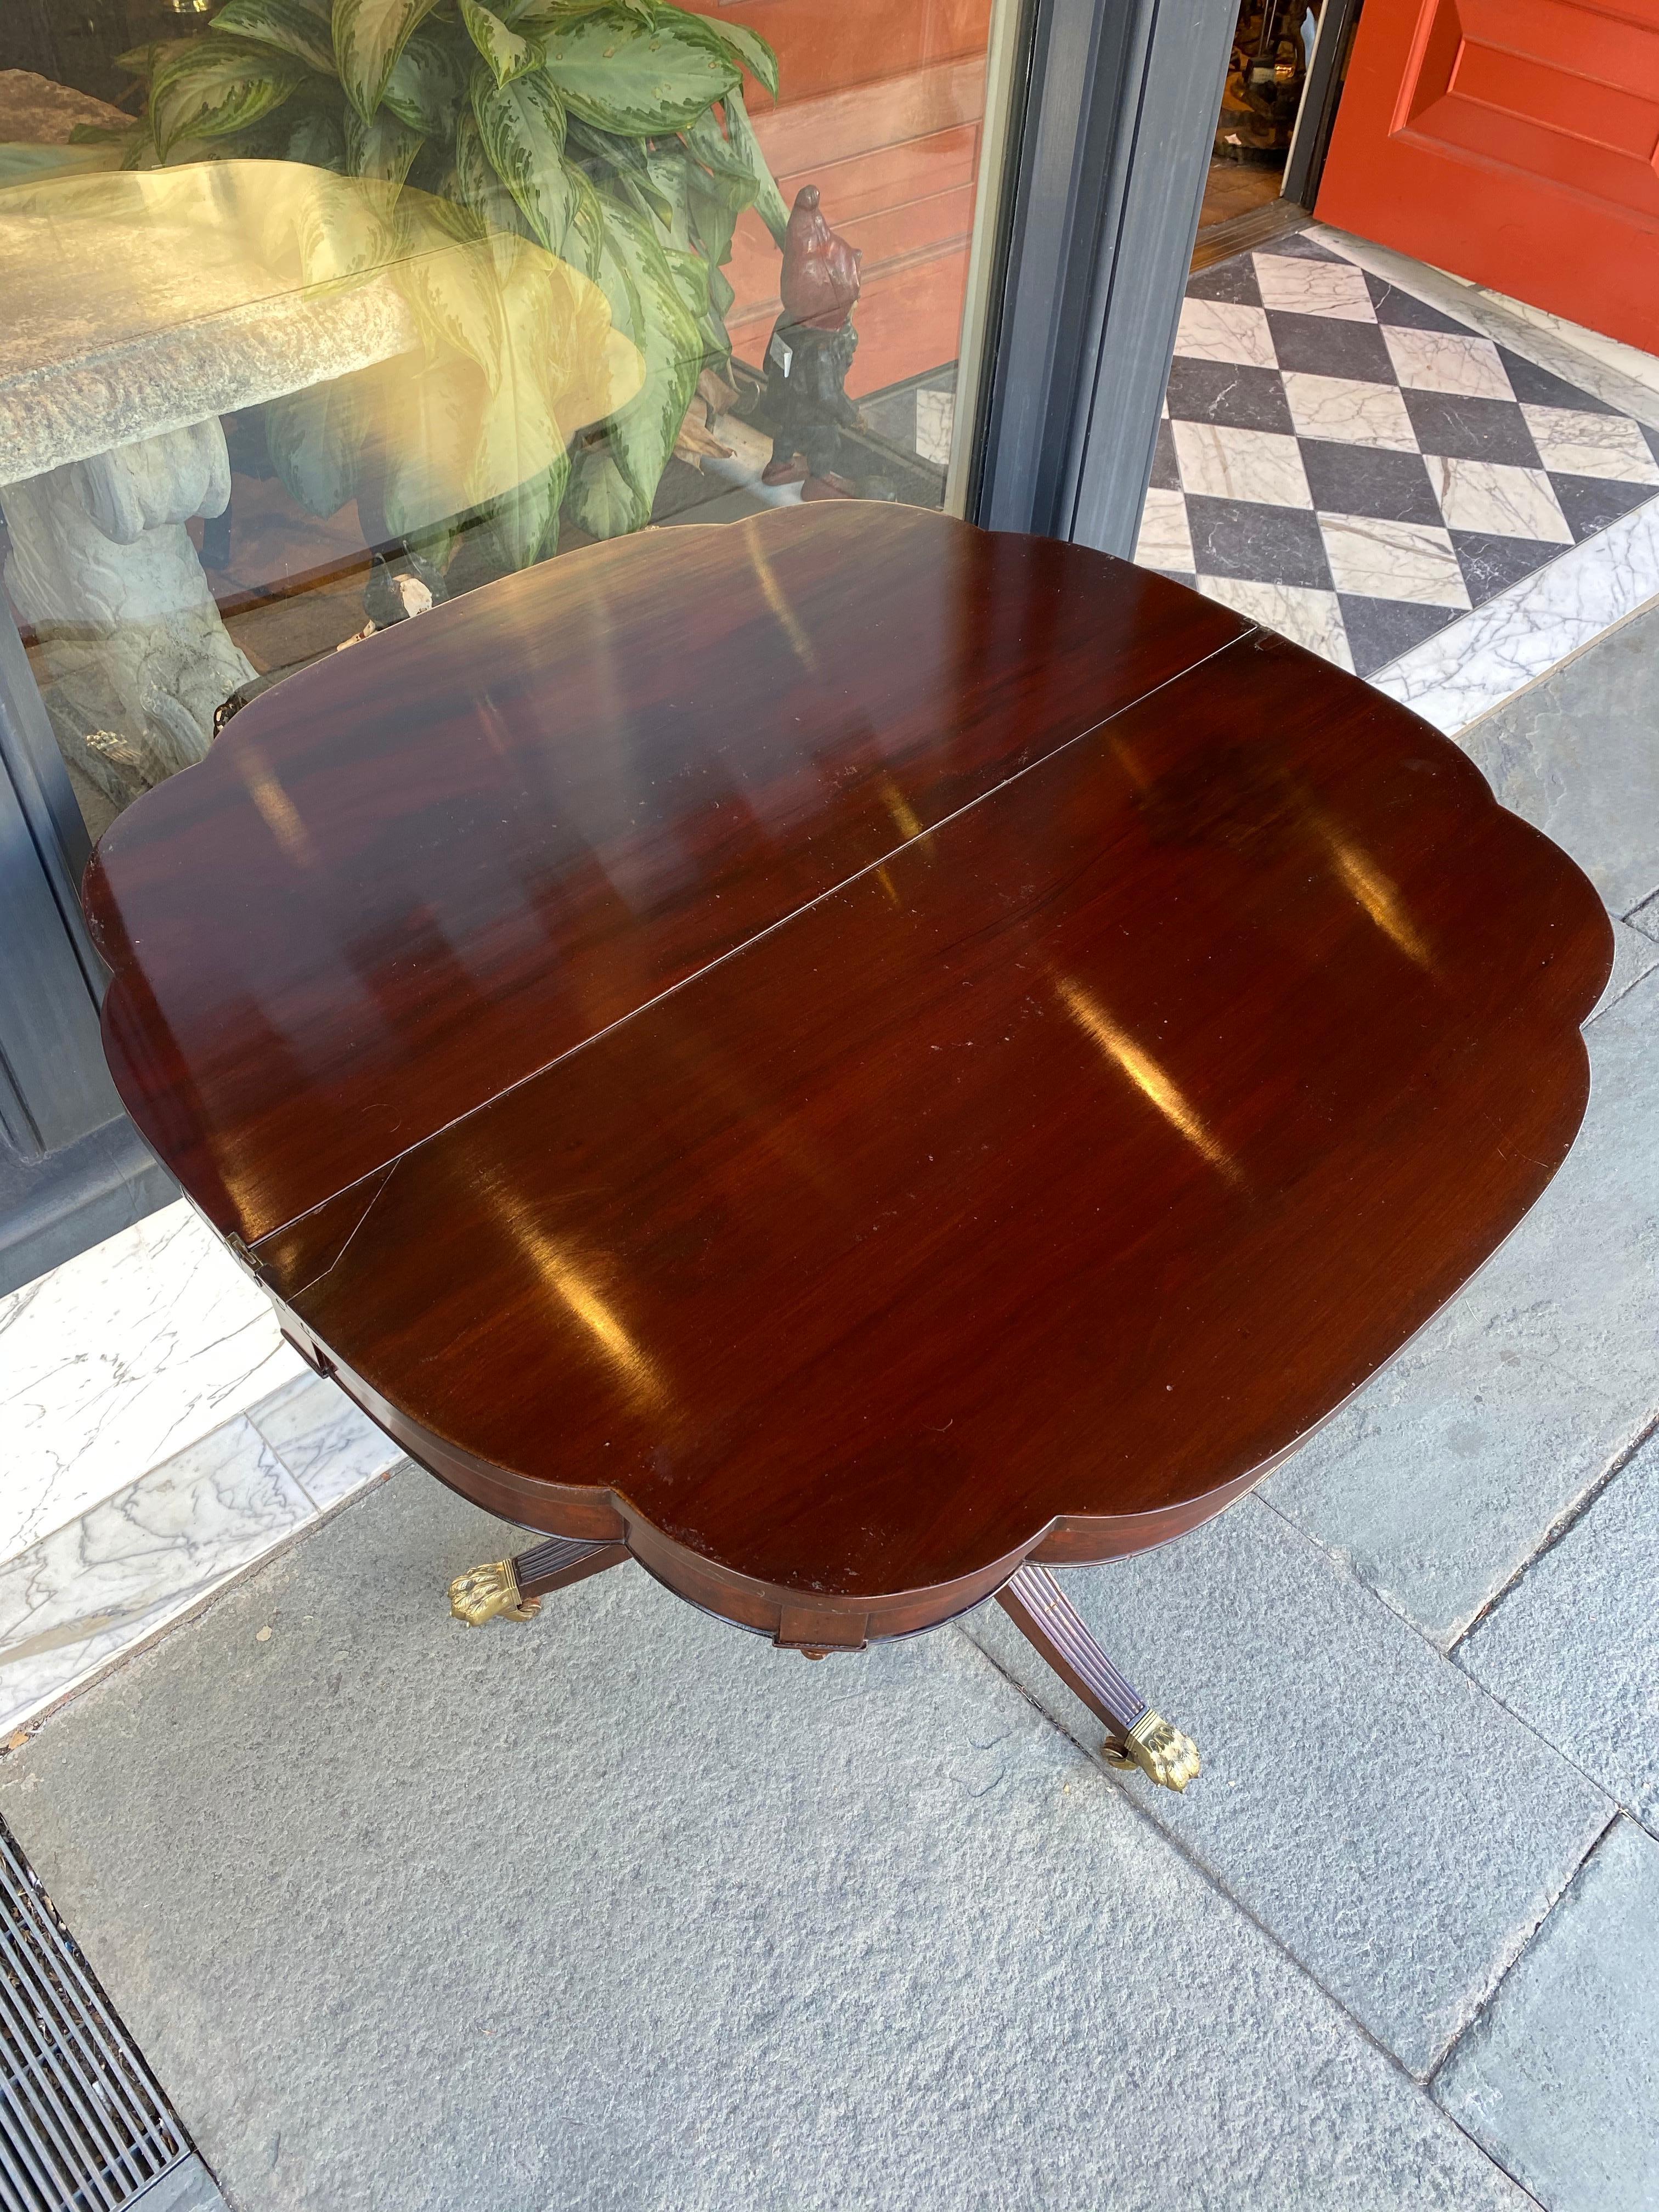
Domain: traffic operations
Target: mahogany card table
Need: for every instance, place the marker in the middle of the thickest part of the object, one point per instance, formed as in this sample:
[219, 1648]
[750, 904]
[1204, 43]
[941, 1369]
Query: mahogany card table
[851, 1059]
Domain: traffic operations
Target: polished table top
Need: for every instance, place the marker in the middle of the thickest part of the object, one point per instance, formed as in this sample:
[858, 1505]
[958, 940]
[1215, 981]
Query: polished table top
[846, 1047]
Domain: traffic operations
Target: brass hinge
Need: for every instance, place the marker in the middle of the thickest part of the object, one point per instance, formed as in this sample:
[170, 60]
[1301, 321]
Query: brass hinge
[251, 1260]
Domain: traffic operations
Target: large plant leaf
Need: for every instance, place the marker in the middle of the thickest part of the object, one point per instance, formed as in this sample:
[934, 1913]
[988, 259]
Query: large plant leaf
[647, 306]
[621, 75]
[505, 52]
[522, 128]
[315, 440]
[601, 500]
[317, 138]
[457, 299]
[300, 27]
[620, 161]
[743, 46]
[383, 148]
[769, 200]
[369, 36]
[215, 86]
[425, 87]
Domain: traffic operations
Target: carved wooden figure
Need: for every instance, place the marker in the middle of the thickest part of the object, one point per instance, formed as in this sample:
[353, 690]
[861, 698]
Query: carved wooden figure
[851, 1059]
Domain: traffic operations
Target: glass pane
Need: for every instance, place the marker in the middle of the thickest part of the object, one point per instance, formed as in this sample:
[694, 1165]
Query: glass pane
[322, 313]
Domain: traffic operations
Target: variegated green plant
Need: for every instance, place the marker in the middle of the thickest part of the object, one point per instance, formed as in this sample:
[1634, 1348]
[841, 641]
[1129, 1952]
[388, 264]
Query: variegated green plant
[611, 132]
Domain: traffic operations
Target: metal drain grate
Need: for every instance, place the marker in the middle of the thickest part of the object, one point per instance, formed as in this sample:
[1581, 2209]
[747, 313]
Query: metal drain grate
[84, 2126]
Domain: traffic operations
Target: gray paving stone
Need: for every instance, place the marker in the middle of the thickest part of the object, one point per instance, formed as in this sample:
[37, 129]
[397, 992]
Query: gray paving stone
[627, 1912]
[1635, 954]
[1575, 756]
[1560, 2080]
[1446, 1472]
[1574, 1647]
[1399, 1832]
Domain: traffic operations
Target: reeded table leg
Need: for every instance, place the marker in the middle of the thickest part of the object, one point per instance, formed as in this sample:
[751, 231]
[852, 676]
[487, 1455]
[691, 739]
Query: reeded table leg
[1137, 1736]
[513, 1590]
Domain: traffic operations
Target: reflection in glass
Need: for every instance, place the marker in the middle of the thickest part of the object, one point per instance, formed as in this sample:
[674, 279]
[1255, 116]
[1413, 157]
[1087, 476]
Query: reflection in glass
[324, 311]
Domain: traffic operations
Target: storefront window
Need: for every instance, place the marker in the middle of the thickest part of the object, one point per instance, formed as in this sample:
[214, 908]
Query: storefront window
[325, 311]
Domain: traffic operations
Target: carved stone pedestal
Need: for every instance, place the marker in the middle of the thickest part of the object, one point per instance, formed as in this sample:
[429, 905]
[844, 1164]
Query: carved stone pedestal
[103, 567]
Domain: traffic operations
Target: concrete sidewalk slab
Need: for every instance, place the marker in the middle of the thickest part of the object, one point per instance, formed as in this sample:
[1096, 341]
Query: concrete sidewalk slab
[1575, 755]
[626, 1911]
[1574, 1647]
[1560, 2080]
[1448, 1470]
[1399, 1832]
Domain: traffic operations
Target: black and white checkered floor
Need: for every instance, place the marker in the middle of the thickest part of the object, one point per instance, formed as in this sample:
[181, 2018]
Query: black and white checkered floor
[1350, 466]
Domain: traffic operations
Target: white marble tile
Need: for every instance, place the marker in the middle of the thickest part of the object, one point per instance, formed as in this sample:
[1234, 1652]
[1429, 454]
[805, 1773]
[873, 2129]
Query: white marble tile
[1221, 463]
[1501, 501]
[1578, 443]
[1393, 560]
[328, 1446]
[1445, 360]
[116, 1360]
[1474, 664]
[90, 1591]
[1225, 330]
[1310, 617]
[1618, 373]
[936, 418]
[1314, 288]
[1350, 411]
[1164, 541]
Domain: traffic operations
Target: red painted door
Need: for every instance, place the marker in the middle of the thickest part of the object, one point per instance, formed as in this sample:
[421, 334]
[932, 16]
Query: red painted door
[1514, 142]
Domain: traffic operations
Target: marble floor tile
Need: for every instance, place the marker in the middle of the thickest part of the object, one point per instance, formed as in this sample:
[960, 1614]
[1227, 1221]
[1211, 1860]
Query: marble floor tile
[936, 417]
[1573, 1648]
[1271, 544]
[1488, 496]
[1165, 540]
[1380, 631]
[1446, 361]
[1343, 408]
[1325, 345]
[1225, 330]
[1560, 2081]
[1484, 657]
[328, 1446]
[1365, 480]
[1226, 392]
[121, 1358]
[1308, 618]
[1393, 560]
[1579, 443]
[1454, 423]
[1231, 463]
[1314, 288]
[90, 1591]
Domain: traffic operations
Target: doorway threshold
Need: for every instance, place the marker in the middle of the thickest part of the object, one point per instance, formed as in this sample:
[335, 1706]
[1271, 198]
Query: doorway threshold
[1412, 494]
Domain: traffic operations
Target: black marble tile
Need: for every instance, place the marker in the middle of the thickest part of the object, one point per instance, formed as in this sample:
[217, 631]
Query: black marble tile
[1166, 474]
[1300, 247]
[1472, 429]
[1325, 345]
[1233, 280]
[1405, 312]
[1227, 391]
[1652, 437]
[1539, 388]
[1360, 480]
[1267, 544]
[1590, 503]
[1491, 565]
[1380, 630]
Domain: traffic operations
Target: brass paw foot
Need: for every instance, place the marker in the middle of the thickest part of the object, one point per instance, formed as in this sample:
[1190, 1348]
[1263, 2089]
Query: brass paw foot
[1162, 1753]
[490, 1593]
